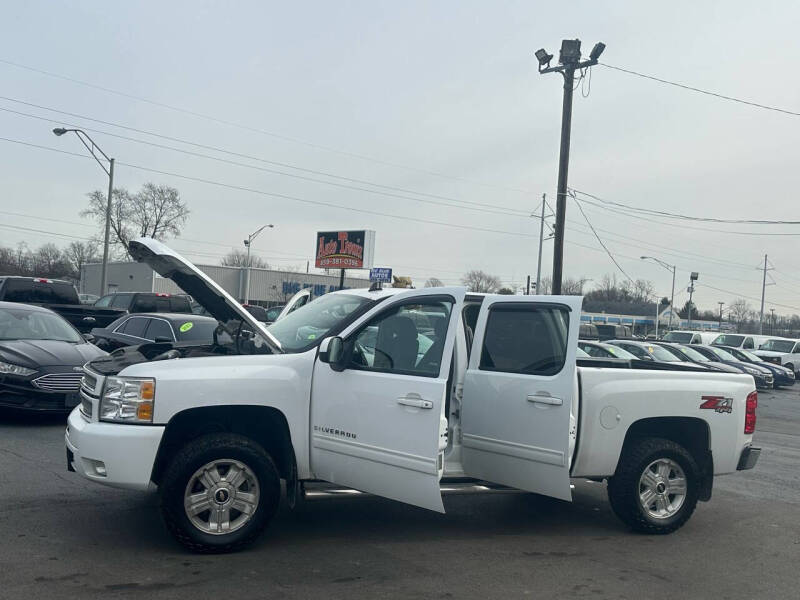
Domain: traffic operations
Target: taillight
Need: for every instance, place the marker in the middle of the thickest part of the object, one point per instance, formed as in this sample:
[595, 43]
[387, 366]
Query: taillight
[750, 412]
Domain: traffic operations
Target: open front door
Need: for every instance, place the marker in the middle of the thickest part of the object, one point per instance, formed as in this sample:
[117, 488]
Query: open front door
[518, 392]
[379, 424]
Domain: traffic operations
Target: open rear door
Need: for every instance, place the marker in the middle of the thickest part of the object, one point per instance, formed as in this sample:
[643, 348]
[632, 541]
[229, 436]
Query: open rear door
[518, 392]
[378, 425]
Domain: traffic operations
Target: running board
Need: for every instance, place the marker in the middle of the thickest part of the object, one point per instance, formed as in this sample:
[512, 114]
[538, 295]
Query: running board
[320, 490]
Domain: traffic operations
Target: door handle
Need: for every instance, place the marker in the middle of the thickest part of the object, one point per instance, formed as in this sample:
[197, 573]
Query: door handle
[416, 402]
[545, 399]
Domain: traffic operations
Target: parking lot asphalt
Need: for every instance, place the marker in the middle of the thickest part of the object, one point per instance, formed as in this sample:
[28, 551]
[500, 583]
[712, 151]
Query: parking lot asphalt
[63, 537]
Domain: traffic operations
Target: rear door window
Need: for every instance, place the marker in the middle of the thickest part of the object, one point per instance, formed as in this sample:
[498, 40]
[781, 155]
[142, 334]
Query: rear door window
[748, 344]
[135, 327]
[530, 340]
[159, 328]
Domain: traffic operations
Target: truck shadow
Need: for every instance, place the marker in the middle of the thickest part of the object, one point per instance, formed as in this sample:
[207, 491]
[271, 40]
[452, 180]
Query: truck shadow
[28, 418]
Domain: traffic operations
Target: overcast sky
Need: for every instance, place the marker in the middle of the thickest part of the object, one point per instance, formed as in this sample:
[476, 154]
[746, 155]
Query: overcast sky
[439, 98]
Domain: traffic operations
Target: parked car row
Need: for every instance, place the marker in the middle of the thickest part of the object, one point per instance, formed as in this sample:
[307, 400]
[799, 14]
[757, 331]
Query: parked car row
[772, 365]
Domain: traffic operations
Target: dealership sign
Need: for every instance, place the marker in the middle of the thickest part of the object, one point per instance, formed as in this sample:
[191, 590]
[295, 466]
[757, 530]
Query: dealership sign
[380, 274]
[345, 249]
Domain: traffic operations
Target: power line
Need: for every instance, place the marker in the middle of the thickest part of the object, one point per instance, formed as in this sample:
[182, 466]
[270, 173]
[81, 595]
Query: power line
[702, 91]
[491, 208]
[611, 256]
[746, 297]
[272, 134]
[665, 214]
[277, 195]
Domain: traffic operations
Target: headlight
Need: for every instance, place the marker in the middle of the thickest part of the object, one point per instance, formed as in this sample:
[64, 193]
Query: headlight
[753, 371]
[9, 369]
[128, 400]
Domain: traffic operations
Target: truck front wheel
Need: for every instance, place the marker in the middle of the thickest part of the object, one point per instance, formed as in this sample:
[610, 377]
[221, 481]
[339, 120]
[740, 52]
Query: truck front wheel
[655, 488]
[219, 493]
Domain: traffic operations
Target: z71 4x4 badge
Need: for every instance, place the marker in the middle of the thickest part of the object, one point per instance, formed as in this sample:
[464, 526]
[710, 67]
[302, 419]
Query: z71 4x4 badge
[718, 404]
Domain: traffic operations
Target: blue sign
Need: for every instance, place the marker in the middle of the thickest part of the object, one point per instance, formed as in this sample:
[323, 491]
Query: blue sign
[380, 274]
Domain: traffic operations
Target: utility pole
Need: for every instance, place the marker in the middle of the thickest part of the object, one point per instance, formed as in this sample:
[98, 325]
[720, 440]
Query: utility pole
[672, 269]
[541, 240]
[763, 292]
[772, 322]
[569, 61]
[720, 314]
[528, 287]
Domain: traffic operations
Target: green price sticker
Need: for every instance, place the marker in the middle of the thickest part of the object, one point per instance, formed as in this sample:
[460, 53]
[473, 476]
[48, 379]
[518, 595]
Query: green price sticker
[312, 336]
[186, 327]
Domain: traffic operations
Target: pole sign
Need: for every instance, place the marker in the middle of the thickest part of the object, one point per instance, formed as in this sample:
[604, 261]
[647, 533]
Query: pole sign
[380, 274]
[345, 249]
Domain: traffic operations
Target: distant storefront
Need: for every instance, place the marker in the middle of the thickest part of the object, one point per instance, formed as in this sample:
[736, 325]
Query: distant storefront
[643, 324]
[267, 286]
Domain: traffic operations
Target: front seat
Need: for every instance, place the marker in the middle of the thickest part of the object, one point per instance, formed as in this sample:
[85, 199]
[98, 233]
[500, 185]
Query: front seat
[397, 345]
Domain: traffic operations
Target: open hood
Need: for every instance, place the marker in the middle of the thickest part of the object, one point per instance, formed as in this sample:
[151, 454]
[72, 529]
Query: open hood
[210, 295]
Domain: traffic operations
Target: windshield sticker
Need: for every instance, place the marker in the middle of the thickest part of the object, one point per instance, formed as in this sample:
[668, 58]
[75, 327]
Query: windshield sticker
[186, 327]
[312, 336]
[718, 404]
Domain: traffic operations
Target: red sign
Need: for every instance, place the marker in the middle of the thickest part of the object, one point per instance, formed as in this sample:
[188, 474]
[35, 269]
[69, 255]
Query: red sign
[343, 249]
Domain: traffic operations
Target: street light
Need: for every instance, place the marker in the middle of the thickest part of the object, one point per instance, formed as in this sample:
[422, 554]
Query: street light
[247, 243]
[670, 268]
[93, 149]
[569, 60]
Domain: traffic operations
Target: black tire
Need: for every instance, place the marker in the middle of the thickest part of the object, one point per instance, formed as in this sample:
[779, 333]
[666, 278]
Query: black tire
[202, 451]
[624, 486]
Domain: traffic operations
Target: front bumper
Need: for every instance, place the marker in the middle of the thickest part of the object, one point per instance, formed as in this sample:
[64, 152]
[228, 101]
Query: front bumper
[112, 454]
[26, 397]
[748, 458]
[763, 381]
[784, 380]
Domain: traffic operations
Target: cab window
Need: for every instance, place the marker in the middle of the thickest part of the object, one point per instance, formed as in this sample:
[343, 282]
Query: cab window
[406, 339]
[748, 344]
[121, 301]
[525, 339]
[104, 302]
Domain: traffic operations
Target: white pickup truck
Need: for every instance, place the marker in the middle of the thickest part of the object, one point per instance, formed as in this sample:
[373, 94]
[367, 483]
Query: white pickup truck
[398, 393]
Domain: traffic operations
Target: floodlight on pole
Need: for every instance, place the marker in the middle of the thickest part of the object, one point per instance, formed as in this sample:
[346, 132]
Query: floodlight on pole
[569, 62]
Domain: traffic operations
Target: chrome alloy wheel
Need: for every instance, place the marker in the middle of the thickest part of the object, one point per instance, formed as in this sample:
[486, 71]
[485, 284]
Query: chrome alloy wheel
[221, 496]
[662, 488]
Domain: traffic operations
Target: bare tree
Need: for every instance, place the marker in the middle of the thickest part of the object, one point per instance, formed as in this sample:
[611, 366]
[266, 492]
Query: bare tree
[545, 285]
[573, 287]
[739, 311]
[78, 254]
[49, 261]
[506, 291]
[480, 281]
[155, 211]
[433, 282]
[238, 258]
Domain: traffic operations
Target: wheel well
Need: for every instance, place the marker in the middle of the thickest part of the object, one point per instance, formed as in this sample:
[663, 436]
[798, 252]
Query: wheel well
[264, 425]
[691, 433]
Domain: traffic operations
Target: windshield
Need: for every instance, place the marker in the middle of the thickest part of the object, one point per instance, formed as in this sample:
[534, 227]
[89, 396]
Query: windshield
[302, 328]
[750, 356]
[778, 345]
[694, 354]
[661, 353]
[619, 352]
[727, 339]
[21, 324]
[723, 354]
[683, 337]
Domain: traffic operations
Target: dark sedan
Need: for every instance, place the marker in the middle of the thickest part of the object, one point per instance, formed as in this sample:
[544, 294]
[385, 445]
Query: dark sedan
[762, 376]
[689, 353]
[782, 375]
[41, 356]
[141, 328]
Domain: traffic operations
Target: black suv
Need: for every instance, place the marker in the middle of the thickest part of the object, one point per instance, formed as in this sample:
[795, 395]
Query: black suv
[150, 302]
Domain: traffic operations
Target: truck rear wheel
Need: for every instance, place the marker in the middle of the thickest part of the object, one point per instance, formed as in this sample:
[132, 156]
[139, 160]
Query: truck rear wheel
[219, 493]
[655, 488]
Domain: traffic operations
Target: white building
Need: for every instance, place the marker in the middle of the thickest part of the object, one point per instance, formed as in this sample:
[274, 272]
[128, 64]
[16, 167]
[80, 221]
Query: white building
[267, 286]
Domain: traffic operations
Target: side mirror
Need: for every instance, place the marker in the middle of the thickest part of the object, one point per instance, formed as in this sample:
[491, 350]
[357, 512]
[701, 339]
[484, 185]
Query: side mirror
[331, 351]
[89, 337]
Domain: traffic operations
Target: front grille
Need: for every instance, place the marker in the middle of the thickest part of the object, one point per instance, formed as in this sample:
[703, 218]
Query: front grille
[59, 382]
